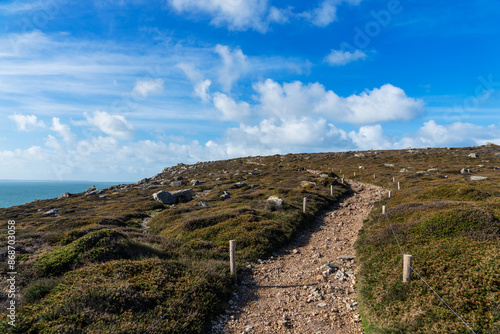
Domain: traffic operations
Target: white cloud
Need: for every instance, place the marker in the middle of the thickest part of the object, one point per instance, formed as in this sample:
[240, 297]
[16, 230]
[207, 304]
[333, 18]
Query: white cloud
[455, 134]
[338, 57]
[370, 137]
[326, 12]
[63, 129]
[234, 65]
[236, 14]
[243, 15]
[114, 125]
[201, 85]
[27, 122]
[387, 103]
[230, 109]
[323, 15]
[144, 88]
[384, 104]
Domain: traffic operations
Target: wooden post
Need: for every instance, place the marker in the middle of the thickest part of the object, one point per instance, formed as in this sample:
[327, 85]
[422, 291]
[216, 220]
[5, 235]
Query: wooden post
[407, 260]
[393, 179]
[354, 173]
[304, 206]
[374, 176]
[383, 209]
[232, 260]
[331, 190]
[399, 185]
[390, 194]
[342, 180]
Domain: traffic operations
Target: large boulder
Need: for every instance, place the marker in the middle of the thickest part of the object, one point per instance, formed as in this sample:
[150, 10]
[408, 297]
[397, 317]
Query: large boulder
[173, 197]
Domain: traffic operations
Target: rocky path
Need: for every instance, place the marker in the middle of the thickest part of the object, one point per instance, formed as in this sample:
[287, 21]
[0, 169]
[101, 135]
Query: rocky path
[308, 287]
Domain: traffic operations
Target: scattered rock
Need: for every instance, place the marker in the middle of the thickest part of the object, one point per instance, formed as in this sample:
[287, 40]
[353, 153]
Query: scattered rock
[65, 195]
[51, 212]
[361, 167]
[478, 178]
[275, 201]
[225, 195]
[433, 170]
[465, 171]
[238, 185]
[176, 184]
[195, 182]
[254, 173]
[304, 184]
[404, 170]
[93, 191]
[202, 204]
[389, 165]
[347, 257]
[472, 155]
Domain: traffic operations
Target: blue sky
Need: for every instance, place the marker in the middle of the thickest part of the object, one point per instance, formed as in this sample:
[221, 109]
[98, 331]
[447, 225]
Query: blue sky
[116, 90]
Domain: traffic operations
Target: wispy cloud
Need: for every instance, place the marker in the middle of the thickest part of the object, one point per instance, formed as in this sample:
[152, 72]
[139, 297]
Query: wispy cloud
[339, 57]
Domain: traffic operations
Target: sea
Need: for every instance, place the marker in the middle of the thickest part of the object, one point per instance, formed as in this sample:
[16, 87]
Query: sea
[14, 193]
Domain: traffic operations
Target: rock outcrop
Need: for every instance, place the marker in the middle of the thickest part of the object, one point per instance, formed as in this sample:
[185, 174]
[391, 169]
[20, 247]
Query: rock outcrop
[166, 197]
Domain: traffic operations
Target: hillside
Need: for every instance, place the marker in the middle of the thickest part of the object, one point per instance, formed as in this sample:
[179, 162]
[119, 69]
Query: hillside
[116, 260]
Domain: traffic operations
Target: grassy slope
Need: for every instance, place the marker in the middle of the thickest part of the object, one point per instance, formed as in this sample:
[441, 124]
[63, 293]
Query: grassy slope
[450, 226]
[93, 270]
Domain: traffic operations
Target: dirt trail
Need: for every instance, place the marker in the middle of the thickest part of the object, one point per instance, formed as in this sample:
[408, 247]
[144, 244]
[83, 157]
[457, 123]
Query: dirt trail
[309, 286]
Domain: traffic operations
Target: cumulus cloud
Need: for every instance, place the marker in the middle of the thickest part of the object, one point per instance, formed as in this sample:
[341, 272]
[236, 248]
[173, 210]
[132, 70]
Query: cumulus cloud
[234, 65]
[338, 57]
[27, 122]
[144, 88]
[454, 134]
[115, 126]
[370, 137]
[387, 103]
[230, 109]
[62, 129]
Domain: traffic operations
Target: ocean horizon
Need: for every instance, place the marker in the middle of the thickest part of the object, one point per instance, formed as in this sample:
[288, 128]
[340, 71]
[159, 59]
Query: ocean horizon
[18, 192]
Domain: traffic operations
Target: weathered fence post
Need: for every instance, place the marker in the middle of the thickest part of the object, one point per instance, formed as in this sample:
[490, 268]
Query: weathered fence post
[393, 179]
[354, 173]
[374, 176]
[390, 194]
[304, 205]
[407, 260]
[383, 209]
[331, 190]
[232, 260]
[399, 185]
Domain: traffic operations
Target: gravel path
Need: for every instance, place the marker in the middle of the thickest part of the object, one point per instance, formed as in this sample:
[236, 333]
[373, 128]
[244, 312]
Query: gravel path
[309, 286]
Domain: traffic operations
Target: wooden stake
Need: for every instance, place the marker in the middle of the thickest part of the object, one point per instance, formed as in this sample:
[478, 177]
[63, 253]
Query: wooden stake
[232, 260]
[393, 179]
[399, 185]
[354, 173]
[407, 261]
[331, 190]
[390, 194]
[383, 209]
[304, 206]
